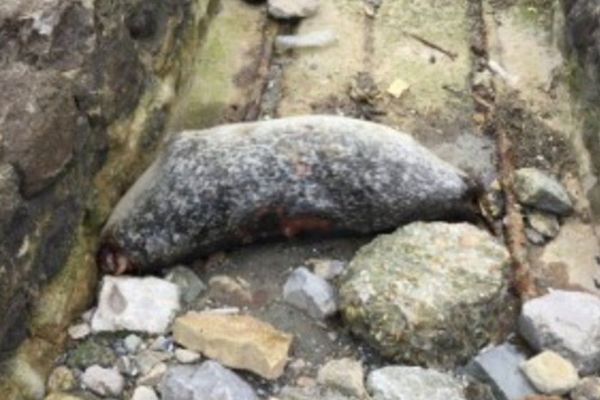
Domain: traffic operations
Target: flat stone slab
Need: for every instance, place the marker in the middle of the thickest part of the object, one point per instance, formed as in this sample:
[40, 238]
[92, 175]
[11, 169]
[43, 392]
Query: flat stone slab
[135, 304]
[567, 323]
[237, 341]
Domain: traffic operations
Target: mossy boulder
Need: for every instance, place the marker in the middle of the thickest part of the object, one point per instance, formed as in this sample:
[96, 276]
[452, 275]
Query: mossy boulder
[429, 293]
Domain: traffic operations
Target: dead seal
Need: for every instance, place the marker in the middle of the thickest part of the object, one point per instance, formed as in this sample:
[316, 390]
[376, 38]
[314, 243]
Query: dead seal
[213, 189]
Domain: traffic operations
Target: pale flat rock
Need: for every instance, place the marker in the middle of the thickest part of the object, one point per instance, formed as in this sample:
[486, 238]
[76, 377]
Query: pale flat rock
[136, 304]
[144, 393]
[543, 223]
[310, 293]
[567, 323]
[185, 356]
[287, 9]
[103, 381]
[79, 331]
[344, 375]
[413, 383]
[154, 376]
[237, 341]
[209, 381]
[550, 373]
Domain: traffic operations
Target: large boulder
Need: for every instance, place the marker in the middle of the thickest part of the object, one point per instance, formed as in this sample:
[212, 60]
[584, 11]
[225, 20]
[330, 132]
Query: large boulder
[429, 293]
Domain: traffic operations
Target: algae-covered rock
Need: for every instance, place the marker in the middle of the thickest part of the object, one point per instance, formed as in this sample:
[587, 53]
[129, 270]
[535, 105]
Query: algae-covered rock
[429, 293]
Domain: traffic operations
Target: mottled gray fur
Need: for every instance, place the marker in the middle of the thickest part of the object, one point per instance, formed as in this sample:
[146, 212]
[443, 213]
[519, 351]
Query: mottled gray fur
[212, 189]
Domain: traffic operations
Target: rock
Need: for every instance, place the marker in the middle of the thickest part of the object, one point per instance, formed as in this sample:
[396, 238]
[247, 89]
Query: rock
[190, 286]
[311, 393]
[588, 388]
[327, 269]
[79, 331]
[544, 224]
[412, 383]
[289, 9]
[162, 343]
[144, 393]
[429, 293]
[344, 375]
[383, 178]
[310, 293]
[209, 381]
[103, 381]
[535, 237]
[550, 373]
[127, 367]
[536, 189]
[135, 304]
[61, 380]
[500, 368]
[567, 323]
[154, 376]
[237, 341]
[62, 396]
[148, 359]
[185, 356]
[310, 40]
[230, 291]
[90, 352]
[132, 343]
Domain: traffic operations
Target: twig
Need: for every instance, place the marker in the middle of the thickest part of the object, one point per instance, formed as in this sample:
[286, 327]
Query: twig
[450, 54]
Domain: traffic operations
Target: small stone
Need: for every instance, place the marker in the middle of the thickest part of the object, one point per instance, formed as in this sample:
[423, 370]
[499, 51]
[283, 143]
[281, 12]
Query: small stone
[535, 237]
[541, 397]
[127, 367]
[344, 375]
[230, 291]
[500, 367]
[550, 373]
[310, 293]
[61, 380]
[162, 343]
[493, 202]
[289, 9]
[132, 343]
[136, 304]
[144, 393]
[79, 331]
[297, 365]
[413, 383]
[537, 189]
[545, 224]
[62, 396]
[567, 323]
[237, 341]
[587, 389]
[103, 381]
[327, 269]
[306, 381]
[190, 286]
[185, 356]
[208, 381]
[147, 359]
[154, 376]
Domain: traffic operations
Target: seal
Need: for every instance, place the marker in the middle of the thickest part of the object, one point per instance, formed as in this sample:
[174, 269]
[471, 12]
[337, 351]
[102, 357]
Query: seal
[213, 189]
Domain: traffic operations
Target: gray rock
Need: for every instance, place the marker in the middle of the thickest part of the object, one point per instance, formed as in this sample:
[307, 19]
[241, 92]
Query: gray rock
[312, 40]
[500, 367]
[190, 286]
[209, 381]
[274, 178]
[103, 381]
[127, 367]
[132, 343]
[587, 389]
[288, 9]
[566, 322]
[344, 375]
[136, 304]
[429, 293]
[413, 383]
[310, 293]
[535, 237]
[537, 189]
[311, 393]
[546, 225]
[148, 359]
